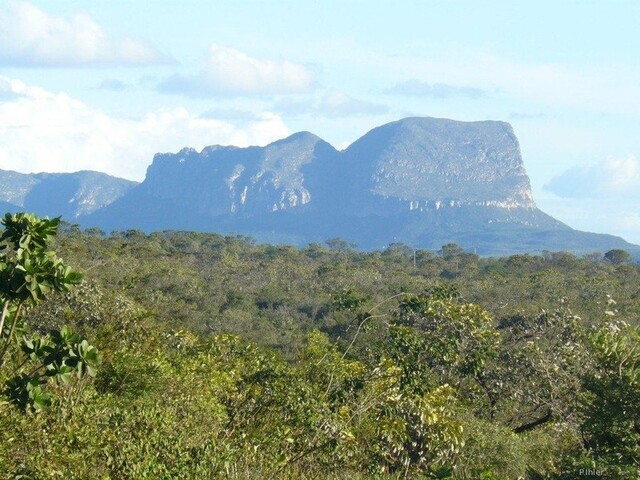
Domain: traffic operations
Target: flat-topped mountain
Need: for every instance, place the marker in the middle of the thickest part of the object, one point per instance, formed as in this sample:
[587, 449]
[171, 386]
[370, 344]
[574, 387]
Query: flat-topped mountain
[420, 181]
[427, 160]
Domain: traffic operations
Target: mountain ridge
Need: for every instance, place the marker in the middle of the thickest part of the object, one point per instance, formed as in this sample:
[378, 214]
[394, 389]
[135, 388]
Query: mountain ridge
[71, 195]
[421, 181]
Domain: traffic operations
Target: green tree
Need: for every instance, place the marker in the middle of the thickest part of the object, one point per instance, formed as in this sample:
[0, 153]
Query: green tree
[340, 245]
[29, 272]
[617, 256]
[450, 251]
[611, 403]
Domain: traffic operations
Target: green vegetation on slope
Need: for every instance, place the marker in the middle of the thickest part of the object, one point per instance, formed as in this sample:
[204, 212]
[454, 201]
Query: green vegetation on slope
[225, 359]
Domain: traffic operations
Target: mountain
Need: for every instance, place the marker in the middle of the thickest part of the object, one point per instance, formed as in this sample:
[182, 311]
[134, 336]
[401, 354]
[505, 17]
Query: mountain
[219, 189]
[424, 182]
[68, 194]
[424, 160]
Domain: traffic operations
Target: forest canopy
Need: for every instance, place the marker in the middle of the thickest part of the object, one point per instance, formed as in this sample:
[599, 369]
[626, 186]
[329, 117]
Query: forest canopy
[192, 355]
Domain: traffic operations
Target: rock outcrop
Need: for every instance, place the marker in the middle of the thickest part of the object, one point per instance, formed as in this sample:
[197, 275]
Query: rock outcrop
[420, 181]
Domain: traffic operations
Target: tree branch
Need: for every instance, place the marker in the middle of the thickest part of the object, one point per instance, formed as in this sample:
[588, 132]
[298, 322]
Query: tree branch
[531, 425]
[7, 341]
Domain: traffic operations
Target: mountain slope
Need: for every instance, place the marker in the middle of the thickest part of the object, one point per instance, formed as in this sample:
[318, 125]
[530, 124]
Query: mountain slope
[420, 181]
[208, 191]
[67, 194]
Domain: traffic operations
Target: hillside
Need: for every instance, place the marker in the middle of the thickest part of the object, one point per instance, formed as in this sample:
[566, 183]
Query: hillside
[70, 195]
[420, 181]
[423, 182]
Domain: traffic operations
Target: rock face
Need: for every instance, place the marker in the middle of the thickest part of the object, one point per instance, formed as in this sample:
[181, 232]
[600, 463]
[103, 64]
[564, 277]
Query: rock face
[428, 162]
[420, 181]
[235, 181]
[68, 194]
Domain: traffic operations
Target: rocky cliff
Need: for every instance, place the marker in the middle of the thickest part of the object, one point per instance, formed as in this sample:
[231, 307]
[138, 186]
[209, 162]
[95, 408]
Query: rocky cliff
[429, 161]
[420, 181]
[236, 181]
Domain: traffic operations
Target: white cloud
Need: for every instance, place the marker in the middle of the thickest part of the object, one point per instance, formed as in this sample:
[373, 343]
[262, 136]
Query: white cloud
[621, 174]
[605, 90]
[45, 131]
[231, 72]
[610, 178]
[419, 88]
[605, 215]
[31, 37]
[332, 104]
[603, 197]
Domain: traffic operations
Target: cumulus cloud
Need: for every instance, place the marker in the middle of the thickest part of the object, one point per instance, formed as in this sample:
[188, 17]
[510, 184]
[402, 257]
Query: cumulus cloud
[611, 178]
[332, 105]
[45, 131]
[600, 215]
[228, 71]
[418, 88]
[7, 91]
[30, 37]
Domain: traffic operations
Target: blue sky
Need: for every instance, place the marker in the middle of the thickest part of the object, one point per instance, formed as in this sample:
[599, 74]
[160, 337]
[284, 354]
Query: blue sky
[104, 85]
